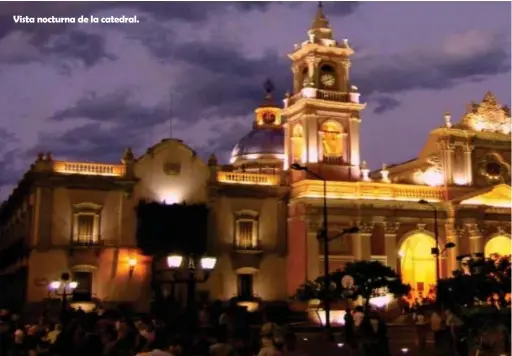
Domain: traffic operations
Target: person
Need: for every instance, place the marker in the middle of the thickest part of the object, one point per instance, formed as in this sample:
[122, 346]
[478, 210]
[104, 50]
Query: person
[290, 346]
[458, 333]
[221, 347]
[268, 347]
[378, 335]
[54, 333]
[164, 346]
[350, 339]
[438, 326]
[421, 329]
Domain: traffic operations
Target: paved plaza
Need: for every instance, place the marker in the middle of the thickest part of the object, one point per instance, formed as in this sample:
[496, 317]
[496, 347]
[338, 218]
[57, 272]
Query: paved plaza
[402, 339]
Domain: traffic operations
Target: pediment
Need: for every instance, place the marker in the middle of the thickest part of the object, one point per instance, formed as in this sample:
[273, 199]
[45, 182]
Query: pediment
[498, 196]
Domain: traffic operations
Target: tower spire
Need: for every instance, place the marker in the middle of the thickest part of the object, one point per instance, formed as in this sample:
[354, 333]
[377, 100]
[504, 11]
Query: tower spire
[320, 20]
[320, 27]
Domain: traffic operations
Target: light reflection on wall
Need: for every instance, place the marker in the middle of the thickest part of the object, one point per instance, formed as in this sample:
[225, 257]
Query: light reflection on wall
[170, 197]
[317, 316]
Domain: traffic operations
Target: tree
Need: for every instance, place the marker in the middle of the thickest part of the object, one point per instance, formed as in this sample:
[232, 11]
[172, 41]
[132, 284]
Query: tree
[370, 277]
[477, 282]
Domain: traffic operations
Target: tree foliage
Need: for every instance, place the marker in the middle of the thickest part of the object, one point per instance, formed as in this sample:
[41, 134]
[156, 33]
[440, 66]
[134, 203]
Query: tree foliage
[477, 282]
[369, 277]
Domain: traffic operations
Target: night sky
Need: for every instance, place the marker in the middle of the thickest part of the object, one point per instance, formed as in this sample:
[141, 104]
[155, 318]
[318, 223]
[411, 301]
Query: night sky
[87, 91]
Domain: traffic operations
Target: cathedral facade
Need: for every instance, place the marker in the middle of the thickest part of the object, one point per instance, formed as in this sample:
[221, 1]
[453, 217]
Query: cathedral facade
[79, 217]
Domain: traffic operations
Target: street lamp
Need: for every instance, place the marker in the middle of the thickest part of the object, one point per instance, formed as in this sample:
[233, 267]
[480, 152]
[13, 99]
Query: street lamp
[193, 271]
[62, 288]
[325, 238]
[435, 250]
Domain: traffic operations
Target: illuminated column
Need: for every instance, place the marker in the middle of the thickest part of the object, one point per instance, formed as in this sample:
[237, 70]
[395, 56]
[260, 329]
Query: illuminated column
[296, 78]
[313, 256]
[475, 238]
[361, 242]
[287, 153]
[468, 164]
[451, 236]
[390, 230]
[311, 143]
[354, 123]
[312, 63]
[447, 150]
[345, 80]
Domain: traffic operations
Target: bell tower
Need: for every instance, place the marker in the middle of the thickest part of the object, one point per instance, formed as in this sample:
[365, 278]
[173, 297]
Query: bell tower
[322, 114]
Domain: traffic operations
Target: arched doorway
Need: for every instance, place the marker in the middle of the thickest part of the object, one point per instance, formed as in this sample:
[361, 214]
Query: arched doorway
[500, 245]
[417, 264]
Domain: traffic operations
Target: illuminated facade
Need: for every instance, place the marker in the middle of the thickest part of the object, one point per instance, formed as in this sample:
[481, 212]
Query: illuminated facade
[264, 217]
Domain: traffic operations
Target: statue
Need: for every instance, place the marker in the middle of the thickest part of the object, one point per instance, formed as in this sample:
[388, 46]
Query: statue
[331, 140]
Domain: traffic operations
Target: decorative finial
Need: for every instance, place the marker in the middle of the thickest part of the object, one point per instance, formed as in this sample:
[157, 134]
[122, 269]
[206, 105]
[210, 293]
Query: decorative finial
[365, 172]
[269, 86]
[384, 173]
[447, 119]
[506, 110]
[127, 155]
[212, 161]
[489, 98]
[320, 19]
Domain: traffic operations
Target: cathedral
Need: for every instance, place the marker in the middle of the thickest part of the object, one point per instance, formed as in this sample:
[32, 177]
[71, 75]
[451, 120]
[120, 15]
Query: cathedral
[266, 207]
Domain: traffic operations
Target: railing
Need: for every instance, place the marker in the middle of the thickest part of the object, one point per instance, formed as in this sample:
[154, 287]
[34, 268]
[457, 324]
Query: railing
[247, 247]
[86, 242]
[333, 160]
[96, 169]
[322, 95]
[332, 95]
[248, 178]
[367, 190]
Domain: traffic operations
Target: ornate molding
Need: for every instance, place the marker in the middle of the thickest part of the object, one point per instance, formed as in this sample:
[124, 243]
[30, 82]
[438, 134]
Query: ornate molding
[473, 230]
[365, 227]
[391, 227]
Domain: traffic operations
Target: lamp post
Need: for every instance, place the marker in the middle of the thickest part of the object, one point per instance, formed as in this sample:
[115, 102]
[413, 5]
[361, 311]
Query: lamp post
[435, 250]
[325, 238]
[190, 270]
[62, 288]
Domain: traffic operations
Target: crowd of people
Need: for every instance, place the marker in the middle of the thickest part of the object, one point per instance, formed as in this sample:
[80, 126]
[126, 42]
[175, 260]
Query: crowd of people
[215, 332]
[114, 333]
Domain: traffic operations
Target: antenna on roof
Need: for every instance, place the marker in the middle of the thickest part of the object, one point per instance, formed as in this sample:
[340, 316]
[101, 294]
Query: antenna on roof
[170, 115]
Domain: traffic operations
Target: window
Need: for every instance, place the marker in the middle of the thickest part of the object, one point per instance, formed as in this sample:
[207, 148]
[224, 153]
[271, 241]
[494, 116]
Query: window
[246, 230]
[245, 282]
[86, 224]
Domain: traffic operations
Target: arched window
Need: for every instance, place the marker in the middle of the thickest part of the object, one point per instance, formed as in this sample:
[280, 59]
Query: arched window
[246, 230]
[297, 144]
[331, 134]
[305, 76]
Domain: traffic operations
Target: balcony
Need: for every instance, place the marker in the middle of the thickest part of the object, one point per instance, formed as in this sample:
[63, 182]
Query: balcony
[248, 248]
[91, 169]
[248, 178]
[85, 249]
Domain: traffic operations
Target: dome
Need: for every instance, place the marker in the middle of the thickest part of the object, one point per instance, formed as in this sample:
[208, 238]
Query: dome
[260, 141]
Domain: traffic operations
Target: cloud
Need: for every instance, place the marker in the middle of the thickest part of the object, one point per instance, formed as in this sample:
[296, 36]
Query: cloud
[433, 68]
[119, 107]
[8, 157]
[384, 104]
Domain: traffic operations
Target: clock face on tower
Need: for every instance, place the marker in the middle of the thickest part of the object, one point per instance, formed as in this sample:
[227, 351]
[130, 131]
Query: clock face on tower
[269, 118]
[328, 80]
